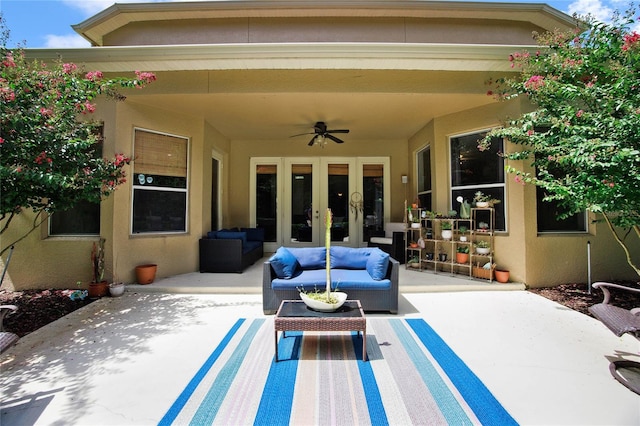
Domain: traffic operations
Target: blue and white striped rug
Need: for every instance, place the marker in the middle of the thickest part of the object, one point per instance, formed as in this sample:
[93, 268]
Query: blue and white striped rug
[412, 377]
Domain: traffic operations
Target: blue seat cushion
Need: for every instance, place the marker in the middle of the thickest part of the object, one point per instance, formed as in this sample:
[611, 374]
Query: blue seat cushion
[343, 279]
[284, 263]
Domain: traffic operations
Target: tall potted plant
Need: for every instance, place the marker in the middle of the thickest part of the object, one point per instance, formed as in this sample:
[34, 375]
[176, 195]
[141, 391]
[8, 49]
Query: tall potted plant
[98, 286]
[326, 301]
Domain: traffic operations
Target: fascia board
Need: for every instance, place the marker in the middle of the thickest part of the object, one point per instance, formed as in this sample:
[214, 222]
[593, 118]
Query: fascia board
[453, 57]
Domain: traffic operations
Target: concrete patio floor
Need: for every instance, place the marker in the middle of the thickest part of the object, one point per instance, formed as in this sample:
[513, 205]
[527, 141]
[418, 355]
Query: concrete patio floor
[124, 361]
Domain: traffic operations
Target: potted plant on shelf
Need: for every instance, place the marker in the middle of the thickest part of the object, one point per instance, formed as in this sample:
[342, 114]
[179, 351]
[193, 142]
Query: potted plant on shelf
[481, 199]
[413, 262]
[463, 230]
[415, 223]
[462, 254]
[483, 247]
[447, 233]
[98, 286]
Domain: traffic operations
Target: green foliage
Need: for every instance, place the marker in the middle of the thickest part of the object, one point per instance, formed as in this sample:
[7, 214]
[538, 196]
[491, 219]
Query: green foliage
[583, 137]
[50, 151]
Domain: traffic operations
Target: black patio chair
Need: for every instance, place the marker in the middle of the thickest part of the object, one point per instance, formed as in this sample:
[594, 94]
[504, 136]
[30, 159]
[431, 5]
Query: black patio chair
[620, 321]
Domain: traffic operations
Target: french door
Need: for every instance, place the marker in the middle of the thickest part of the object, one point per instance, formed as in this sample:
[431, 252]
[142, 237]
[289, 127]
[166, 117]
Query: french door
[290, 197]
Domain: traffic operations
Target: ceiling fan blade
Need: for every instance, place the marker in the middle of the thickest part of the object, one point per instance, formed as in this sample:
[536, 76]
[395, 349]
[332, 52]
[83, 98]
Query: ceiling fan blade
[312, 141]
[338, 131]
[302, 134]
[333, 138]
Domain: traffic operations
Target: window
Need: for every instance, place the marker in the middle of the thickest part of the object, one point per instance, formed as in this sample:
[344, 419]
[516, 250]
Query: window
[547, 215]
[473, 170]
[159, 183]
[423, 161]
[84, 217]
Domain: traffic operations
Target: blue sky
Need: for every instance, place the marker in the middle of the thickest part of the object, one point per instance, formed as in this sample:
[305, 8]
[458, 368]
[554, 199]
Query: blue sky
[47, 23]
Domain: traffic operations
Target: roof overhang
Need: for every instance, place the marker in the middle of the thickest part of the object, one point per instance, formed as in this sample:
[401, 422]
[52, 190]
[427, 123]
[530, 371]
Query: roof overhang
[119, 15]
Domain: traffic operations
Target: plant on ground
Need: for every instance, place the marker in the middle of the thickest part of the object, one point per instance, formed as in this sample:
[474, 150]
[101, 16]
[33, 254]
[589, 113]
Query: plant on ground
[582, 137]
[50, 151]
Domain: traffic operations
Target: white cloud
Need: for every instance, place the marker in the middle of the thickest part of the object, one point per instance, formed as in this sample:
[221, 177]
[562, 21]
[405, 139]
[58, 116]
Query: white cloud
[65, 41]
[595, 8]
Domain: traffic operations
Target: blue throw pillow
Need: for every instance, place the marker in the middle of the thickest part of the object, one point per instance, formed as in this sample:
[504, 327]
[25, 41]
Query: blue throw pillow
[284, 263]
[212, 235]
[310, 257]
[377, 264]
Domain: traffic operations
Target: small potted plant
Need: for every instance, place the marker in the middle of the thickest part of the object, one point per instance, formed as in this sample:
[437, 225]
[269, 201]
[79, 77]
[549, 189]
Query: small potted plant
[447, 233]
[116, 288]
[462, 254]
[463, 230]
[481, 199]
[98, 286]
[413, 262]
[442, 257]
[415, 222]
[483, 247]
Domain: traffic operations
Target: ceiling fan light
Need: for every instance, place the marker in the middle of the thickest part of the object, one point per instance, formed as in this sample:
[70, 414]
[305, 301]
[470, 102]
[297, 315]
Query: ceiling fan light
[320, 140]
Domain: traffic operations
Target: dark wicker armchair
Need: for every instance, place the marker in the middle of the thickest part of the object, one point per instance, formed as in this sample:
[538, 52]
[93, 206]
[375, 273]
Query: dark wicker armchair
[620, 321]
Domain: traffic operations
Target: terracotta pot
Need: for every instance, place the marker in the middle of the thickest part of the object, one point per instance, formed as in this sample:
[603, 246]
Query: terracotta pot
[98, 289]
[501, 276]
[145, 274]
[462, 257]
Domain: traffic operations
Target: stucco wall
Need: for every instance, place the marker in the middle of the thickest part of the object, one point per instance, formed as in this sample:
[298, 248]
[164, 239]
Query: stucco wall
[59, 262]
[539, 260]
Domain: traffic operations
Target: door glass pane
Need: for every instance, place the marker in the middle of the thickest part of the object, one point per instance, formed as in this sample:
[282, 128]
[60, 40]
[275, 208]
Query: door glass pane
[338, 179]
[301, 208]
[372, 200]
[266, 198]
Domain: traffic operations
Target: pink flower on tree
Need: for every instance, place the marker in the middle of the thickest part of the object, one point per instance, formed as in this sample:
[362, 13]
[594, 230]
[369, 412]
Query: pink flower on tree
[69, 68]
[631, 40]
[535, 82]
[94, 75]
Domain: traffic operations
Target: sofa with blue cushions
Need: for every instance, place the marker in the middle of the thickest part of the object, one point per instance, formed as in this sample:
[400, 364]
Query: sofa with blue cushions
[231, 250]
[366, 274]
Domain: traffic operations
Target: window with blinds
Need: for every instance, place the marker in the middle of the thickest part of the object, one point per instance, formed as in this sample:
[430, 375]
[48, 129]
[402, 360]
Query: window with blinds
[160, 171]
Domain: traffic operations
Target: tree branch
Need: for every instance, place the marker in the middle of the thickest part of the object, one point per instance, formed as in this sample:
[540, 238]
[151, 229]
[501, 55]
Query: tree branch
[624, 247]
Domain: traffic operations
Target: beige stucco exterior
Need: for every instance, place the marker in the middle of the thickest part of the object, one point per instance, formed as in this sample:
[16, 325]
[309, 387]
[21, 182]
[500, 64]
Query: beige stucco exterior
[237, 78]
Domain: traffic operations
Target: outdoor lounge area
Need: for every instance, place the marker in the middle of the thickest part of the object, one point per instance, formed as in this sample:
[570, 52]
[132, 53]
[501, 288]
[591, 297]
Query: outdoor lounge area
[128, 360]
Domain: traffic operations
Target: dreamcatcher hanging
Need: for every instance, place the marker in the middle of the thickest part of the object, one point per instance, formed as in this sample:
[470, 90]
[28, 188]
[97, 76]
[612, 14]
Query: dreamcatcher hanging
[356, 203]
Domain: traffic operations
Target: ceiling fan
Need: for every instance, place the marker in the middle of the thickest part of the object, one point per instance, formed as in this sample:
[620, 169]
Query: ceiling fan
[320, 132]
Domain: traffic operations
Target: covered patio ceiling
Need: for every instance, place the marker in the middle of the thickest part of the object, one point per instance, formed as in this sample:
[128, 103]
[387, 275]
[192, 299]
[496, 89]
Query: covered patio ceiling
[265, 92]
[372, 104]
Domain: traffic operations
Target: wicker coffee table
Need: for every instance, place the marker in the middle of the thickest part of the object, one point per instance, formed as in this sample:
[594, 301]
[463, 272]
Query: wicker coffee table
[294, 315]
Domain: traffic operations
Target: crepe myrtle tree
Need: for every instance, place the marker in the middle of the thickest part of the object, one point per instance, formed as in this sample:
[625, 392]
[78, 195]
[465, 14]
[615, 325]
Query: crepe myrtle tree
[50, 156]
[583, 135]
